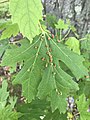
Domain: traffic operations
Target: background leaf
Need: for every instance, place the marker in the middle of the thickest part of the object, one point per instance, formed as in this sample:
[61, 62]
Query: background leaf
[3, 46]
[83, 106]
[7, 114]
[73, 44]
[10, 30]
[33, 110]
[61, 25]
[3, 94]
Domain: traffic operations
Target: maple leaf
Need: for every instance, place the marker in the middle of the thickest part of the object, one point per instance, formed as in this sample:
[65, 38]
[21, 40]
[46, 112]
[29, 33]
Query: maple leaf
[27, 20]
[83, 106]
[9, 30]
[73, 44]
[73, 61]
[39, 76]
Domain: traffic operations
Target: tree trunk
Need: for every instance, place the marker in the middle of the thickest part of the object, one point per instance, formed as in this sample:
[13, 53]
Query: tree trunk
[78, 11]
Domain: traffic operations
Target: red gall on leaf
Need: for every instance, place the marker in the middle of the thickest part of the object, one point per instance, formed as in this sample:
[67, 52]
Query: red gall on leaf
[49, 38]
[52, 35]
[43, 59]
[54, 64]
[58, 41]
[87, 76]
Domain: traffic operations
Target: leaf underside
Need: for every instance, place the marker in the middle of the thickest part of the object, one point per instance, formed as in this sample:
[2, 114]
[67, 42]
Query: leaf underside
[41, 77]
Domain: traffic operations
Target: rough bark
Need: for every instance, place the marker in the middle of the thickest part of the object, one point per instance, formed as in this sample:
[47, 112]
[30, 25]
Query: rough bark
[78, 11]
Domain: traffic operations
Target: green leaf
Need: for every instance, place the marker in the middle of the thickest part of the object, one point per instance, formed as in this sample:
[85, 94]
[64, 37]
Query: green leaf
[16, 54]
[51, 20]
[87, 89]
[55, 116]
[7, 114]
[27, 14]
[87, 63]
[4, 24]
[3, 94]
[64, 85]
[33, 110]
[30, 75]
[58, 101]
[85, 44]
[83, 106]
[73, 44]
[62, 78]
[47, 84]
[73, 61]
[9, 31]
[38, 76]
[61, 25]
[4, 7]
[12, 101]
[3, 47]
